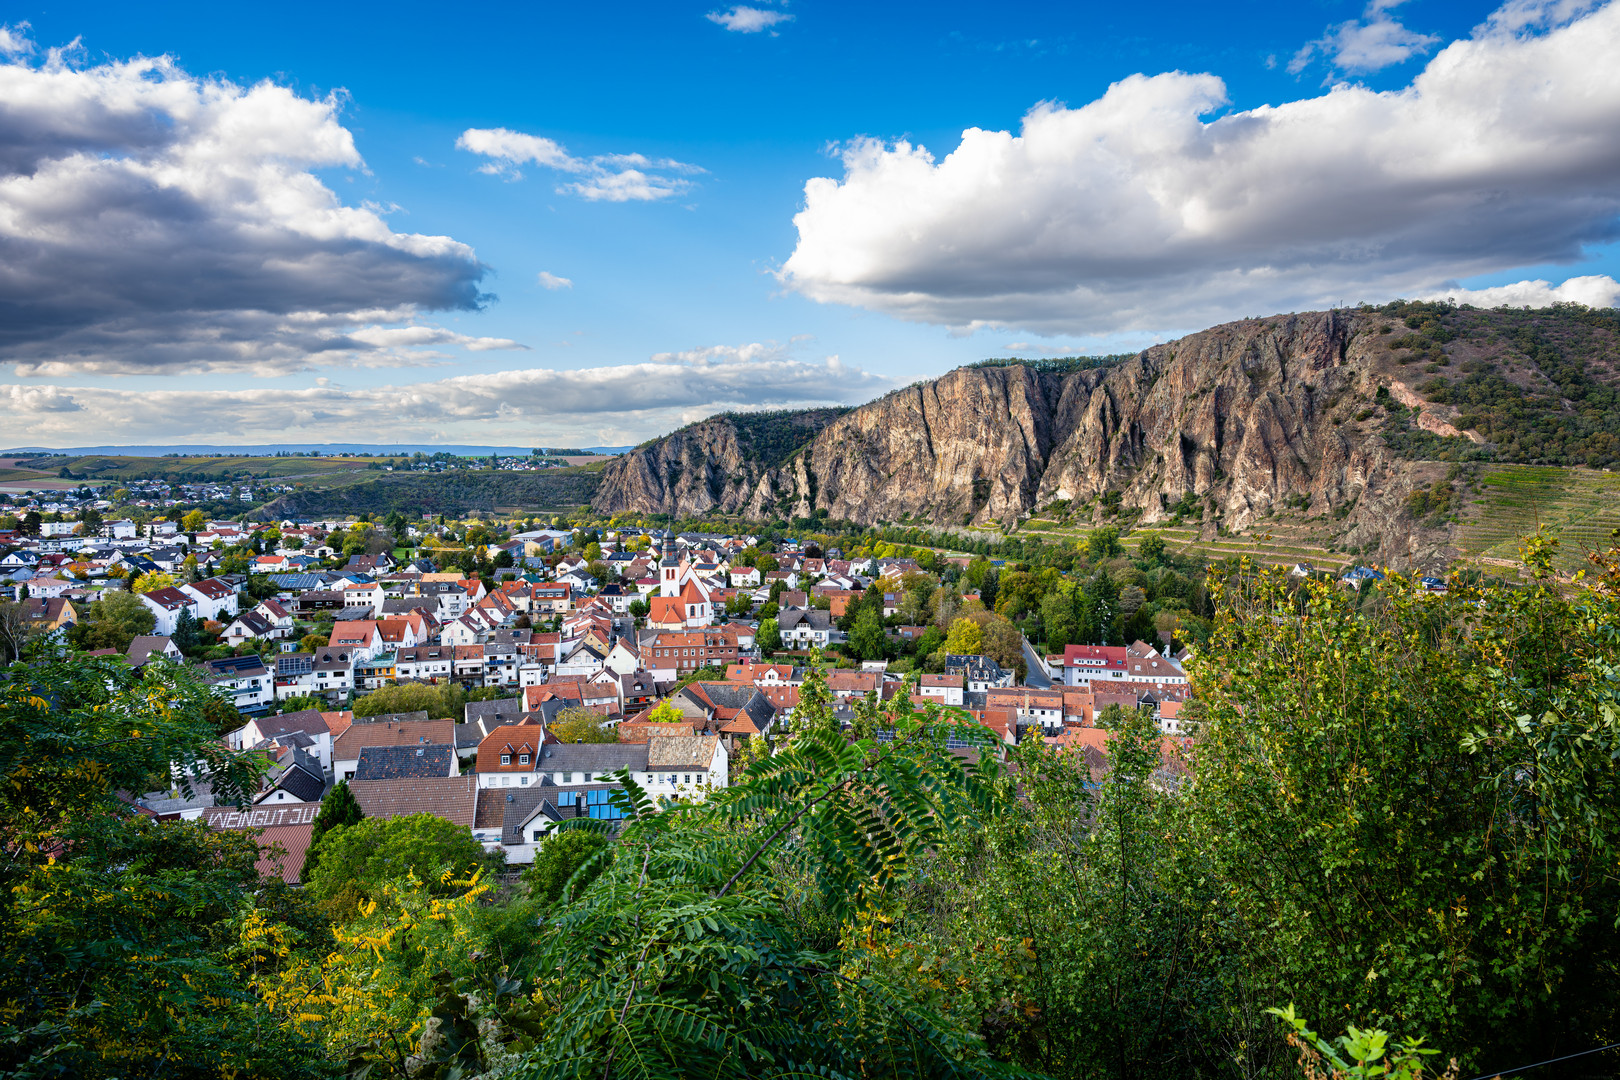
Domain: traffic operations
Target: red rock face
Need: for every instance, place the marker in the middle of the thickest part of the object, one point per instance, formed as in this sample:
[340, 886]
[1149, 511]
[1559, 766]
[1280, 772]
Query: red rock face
[1241, 416]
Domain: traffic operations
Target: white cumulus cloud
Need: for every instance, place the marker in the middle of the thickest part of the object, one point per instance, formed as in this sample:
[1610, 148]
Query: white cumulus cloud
[1135, 212]
[604, 178]
[1593, 290]
[748, 20]
[156, 221]
[1373, 42]
[551, 281]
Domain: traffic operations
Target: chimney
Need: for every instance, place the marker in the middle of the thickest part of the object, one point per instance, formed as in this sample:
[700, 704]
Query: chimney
[579, 804]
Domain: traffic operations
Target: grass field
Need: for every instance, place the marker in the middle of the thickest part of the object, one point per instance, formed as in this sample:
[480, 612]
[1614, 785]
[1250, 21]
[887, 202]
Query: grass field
[1581, 505]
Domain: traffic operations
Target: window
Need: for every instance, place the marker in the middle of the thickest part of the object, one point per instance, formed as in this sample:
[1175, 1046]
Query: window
[523, 759]
[597, 805]
[687, 779]
[506, 759]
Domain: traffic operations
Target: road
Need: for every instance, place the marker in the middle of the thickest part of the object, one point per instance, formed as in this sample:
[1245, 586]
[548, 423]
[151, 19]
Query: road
[1036, 673]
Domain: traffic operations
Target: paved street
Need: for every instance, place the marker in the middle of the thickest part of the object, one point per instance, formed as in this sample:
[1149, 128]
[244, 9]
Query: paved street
[1036, 676]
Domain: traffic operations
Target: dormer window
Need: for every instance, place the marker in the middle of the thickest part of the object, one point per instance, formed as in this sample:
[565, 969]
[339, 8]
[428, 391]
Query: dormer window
[523, 759]
[506, 759]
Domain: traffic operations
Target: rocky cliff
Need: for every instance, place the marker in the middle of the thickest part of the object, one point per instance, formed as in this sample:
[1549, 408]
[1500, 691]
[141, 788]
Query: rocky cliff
[1237, 419]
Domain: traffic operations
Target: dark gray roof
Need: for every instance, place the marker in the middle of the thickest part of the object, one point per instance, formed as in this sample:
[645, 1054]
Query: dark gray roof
[308, 721]
[404, 605]
[815, 618]
[403, 762]
[499, 711]
[592, 757]
[302, 778]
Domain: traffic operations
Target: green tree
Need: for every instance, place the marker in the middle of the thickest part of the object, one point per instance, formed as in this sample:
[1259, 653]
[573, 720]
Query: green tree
[446, 699]
[768, 638]
[965, 638]
[665, 712]
[1443, 762]
[866, 640]
[709, 945]
[355, 861]
[313, 642]
[113, 622]
[339, 809]
[1150, 550]
[120, 949]
[193, 522]
[576, 724]
[562, 855]
[1104, 543]
[814, 710]
[189, 636]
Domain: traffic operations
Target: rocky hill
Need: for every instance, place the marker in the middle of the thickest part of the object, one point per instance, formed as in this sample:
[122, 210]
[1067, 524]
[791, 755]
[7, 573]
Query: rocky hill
[1344, 414]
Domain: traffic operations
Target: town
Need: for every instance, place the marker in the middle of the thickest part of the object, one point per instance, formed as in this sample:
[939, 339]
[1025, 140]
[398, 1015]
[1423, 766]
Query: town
[508, 701]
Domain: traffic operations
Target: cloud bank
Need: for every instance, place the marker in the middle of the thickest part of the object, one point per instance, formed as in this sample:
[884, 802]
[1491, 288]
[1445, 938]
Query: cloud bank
[1133, 212]
[605, 178]
[154, 221]
[621, 402]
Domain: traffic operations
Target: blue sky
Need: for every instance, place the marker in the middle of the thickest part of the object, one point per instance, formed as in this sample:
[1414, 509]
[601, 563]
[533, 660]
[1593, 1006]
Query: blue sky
[700, 290]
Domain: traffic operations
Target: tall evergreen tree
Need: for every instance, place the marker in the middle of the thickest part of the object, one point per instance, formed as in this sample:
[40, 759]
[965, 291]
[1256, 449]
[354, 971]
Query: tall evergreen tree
[338, 809]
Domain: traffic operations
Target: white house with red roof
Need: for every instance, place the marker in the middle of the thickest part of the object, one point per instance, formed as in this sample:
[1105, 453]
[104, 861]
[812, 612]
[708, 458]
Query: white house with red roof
[359, 637]
[1084, 665]
[166, 605]
[215, 599]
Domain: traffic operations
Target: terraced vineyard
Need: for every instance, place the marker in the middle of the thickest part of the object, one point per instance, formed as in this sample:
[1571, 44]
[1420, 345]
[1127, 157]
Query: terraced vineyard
[1282, 541]
[1582, 505]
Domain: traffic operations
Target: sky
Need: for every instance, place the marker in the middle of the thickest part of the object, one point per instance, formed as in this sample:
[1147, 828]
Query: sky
[565, 225]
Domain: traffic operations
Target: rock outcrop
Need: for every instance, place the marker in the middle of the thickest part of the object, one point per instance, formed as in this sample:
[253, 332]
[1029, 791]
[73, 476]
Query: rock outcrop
[1240, 418]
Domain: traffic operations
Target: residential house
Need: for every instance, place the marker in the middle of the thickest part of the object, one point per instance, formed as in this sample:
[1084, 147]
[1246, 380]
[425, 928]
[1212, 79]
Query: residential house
[49, 615]
[509, 755]
[393, 729]
[146, 647]
[406, 762]
[425, 663]
[454, 798]
[980, 673]
[945, 689]
[670, 654]
[249, 627]
[214, 599]
[244, 681]
[360, 637]
[802, 629]
[1085, 665]
[283, 727]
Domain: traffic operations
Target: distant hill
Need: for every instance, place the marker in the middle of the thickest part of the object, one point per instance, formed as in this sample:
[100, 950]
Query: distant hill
[457, 492]
[1367, 420]
[245, 450]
